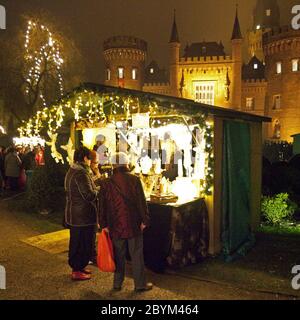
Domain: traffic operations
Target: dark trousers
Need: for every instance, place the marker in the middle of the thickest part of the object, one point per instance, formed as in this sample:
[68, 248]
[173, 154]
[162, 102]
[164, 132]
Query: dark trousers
[13, 183]
[135, 246]
[80, 248]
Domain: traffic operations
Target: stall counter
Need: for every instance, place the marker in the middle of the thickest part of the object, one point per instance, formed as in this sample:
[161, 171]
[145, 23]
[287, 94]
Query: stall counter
[178, 235]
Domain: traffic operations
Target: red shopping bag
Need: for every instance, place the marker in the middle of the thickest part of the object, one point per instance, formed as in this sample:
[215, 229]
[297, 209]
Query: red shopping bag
[105, 257]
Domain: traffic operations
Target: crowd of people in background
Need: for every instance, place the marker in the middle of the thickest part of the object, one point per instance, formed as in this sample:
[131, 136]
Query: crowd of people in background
[17, 164]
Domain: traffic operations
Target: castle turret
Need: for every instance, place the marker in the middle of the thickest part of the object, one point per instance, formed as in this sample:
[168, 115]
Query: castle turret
[266, 16]
[174, 59]
[125, 58]
[237, 58]
[282, 51]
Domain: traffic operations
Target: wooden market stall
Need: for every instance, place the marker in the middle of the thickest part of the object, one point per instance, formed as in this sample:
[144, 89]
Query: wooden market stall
[207, 201]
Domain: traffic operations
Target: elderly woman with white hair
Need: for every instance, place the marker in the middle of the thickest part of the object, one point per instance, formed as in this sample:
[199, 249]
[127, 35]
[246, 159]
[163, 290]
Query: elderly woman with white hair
[124, 214]
[101, 149]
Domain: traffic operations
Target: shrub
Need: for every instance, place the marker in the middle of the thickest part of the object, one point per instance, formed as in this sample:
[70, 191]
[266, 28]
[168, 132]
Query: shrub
[278, 209]
[46, 190]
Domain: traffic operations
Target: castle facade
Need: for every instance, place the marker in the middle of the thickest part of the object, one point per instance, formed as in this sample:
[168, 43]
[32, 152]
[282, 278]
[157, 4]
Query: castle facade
[267, 82]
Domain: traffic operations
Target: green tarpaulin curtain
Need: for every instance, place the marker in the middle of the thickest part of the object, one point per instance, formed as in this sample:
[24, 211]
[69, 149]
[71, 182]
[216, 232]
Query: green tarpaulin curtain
[236, 235]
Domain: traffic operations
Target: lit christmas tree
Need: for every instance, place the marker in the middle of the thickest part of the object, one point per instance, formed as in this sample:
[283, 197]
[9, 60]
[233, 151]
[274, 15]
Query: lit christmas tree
[43, 66]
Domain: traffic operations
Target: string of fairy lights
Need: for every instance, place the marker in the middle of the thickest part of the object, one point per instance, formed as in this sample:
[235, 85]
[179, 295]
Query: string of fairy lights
[98, 108]
[47, 54]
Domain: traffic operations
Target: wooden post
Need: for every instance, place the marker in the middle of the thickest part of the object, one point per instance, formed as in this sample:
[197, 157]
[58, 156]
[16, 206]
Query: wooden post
[214, 202]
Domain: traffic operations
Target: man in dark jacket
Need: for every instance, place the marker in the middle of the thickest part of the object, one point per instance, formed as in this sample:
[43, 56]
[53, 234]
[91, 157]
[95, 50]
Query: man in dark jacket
[124, 214]
[80, 213]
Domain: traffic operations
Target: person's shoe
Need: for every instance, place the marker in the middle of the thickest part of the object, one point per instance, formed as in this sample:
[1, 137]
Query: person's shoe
[117, 288]
[80, 276]
[147, 287]
[86, 271]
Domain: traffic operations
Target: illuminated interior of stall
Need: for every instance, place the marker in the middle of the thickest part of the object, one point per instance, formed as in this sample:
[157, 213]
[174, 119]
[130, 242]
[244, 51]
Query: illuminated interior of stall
[135, 118]
[167, 153]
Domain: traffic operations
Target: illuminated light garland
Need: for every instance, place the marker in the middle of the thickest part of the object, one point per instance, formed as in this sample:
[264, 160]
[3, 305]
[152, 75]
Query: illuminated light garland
[33, 141]
[48, 52]
[96, 108]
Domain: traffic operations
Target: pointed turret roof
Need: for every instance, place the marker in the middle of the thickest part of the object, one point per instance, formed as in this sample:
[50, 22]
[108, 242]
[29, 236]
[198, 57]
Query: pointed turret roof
[236, 33]
[174, 33]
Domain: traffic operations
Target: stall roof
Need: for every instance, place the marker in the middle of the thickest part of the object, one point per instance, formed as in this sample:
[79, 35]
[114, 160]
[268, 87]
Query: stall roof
[184, 106]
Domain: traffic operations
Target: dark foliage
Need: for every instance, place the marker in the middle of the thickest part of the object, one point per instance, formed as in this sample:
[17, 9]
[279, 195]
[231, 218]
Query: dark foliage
[46, 191]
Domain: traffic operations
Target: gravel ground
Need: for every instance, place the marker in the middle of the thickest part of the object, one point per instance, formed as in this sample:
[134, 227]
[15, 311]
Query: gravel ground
[33, 274]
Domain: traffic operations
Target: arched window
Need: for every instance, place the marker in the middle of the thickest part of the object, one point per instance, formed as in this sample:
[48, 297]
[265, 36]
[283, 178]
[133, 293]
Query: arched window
[108, 74]
[134, 74]
[2, 18]
[121, 73]
[279, 67]
[295, 65]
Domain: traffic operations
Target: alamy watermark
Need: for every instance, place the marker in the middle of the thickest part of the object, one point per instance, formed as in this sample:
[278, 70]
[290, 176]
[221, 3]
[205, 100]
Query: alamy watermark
[2, 278]
[296, 19]
[2, 18]
[296, 279]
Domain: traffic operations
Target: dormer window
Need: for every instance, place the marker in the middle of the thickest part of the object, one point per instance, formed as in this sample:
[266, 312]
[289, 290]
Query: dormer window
[255, 66]
[152, 70]
[258, 27]
[203, 49]
[268, 12]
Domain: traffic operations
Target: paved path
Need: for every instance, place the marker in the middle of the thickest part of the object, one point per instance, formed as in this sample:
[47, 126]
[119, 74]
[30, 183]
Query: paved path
[35, 274]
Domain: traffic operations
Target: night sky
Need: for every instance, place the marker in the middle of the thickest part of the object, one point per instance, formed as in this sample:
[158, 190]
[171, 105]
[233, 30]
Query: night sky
[90, 22]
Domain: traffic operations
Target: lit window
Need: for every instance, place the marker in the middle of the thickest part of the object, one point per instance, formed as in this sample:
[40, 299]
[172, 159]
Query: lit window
[204, 92]
[277, 102]
[255, 66]
[152, 71]
[134, 74]
[295, 65]
[258, 27]
[250, 104]
[279, 67]
[121, 73]
[277, 130]
[268, 12]
[108, 75]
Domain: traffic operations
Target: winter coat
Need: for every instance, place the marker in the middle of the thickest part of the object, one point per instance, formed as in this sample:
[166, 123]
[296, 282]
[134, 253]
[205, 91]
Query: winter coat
[82, 197]
[29, 161]
[123, 206]
[12, 164]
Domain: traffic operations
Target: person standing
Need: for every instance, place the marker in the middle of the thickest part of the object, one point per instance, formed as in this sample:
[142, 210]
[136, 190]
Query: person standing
[102, 150]
[29, 164]
[124, 215]
[81, 213]
[12, 164]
